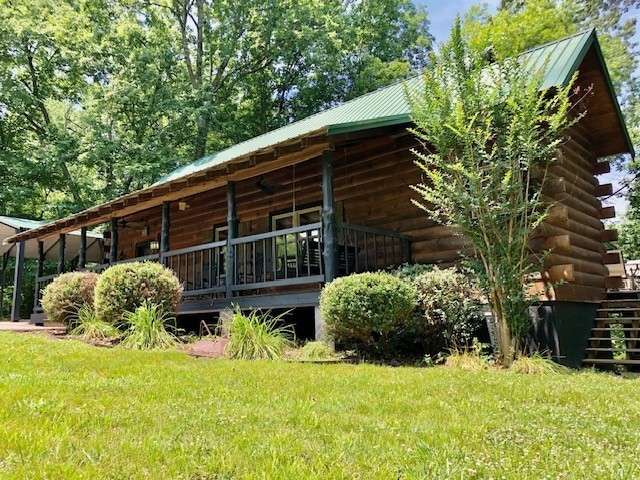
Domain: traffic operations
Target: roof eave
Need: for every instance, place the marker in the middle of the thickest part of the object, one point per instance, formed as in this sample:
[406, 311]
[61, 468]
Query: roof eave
[593, 41]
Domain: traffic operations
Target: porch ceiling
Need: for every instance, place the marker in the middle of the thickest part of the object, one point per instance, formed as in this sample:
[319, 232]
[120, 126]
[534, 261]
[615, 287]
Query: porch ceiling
[247, 166]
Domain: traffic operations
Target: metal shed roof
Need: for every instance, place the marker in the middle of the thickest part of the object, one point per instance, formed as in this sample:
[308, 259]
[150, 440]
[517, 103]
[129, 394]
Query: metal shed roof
[10, 225]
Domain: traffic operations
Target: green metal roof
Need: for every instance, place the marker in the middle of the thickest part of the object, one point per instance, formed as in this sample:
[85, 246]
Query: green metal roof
[389, 106]
[25, 223]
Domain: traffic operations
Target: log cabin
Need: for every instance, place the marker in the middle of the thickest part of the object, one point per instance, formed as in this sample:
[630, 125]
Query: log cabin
[265, 223]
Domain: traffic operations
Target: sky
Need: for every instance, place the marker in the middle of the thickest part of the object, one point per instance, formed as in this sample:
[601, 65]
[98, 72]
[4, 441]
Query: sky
[442, 14]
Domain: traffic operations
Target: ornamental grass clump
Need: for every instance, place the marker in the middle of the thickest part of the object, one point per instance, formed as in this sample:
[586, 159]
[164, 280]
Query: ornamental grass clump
[257, 335]
[537, 364]
[67, 294]
[86, 325]
[148, 327]
[124, 287]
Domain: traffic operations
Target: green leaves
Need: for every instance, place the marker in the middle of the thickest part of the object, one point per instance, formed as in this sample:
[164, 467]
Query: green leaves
[491, 135]
[140, 88]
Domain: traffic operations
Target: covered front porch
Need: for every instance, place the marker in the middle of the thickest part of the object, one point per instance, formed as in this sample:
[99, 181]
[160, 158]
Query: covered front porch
[283, 265]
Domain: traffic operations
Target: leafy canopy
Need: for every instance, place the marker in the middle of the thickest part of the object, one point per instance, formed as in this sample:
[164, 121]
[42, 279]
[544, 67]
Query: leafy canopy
[489, 134]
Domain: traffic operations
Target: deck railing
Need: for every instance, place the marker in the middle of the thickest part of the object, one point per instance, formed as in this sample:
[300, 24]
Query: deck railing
[199, 268]
[288, 257]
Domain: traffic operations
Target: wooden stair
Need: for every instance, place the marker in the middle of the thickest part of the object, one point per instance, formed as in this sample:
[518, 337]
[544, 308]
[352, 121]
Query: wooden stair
[614, 343]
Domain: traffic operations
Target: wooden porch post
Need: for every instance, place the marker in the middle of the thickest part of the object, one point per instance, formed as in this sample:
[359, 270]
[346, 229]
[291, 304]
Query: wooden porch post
[39, 272]
[62, 245]
[164, 233]
[3, 281]
[113, 249]
[232, 232]
[329, 225]
[82, 256]
[17, 283]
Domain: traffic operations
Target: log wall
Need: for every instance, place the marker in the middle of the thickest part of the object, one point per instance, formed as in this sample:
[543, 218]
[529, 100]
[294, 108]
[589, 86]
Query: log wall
[372, 188]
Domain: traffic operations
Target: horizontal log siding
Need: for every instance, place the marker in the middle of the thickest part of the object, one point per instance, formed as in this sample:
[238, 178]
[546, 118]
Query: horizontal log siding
[372, 188]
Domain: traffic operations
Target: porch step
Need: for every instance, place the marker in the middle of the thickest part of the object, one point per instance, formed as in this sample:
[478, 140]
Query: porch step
[618, 310]
[615, 329]
[614, 320]
[627, 305]
[610, 361]
[601, 349]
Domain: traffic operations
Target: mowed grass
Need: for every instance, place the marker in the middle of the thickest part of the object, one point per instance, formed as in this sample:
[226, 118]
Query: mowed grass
[69, 410]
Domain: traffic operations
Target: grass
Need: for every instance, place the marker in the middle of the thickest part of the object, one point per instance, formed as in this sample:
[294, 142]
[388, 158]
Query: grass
[70, 410]
[257, 335]
[86, 325]
[146, 328]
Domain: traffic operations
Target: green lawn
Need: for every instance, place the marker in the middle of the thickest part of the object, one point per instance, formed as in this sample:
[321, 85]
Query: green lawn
[68, 410]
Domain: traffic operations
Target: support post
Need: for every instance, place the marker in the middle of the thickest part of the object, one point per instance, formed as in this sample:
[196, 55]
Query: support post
[17, 283]
[82, 256]
[113, 250]
[164, 233]
[62, 245]
[232, 232]
[39, 272]
[329, 225]
[3, 281]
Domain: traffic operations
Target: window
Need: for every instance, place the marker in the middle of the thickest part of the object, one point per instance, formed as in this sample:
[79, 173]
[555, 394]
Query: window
[148, 247]
[289, 248]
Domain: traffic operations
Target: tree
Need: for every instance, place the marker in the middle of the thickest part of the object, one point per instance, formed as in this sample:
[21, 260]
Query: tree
[140, 88]
[489, 134]
[520, 25]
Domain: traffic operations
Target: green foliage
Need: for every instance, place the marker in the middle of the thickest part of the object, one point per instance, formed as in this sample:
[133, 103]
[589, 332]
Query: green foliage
[536, 364]
[146, 327]
[86, 325]
[410, 271]
[317, 351]
[257, 336]
[67, 293]
[365, 310]
[629, 238]
[450, 300]
[491, 134]
[124, 287]
[139, 89]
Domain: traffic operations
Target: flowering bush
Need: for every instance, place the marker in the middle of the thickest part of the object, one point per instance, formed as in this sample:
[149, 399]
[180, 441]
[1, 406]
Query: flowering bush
[69, 292]
[124, 288]
[450, 302]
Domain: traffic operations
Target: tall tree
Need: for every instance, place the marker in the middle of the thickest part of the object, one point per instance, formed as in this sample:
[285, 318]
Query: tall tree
[490, 132]
[142, 87]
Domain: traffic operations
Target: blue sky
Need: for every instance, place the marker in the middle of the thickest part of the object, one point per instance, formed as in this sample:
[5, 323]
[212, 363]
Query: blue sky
[442, 14]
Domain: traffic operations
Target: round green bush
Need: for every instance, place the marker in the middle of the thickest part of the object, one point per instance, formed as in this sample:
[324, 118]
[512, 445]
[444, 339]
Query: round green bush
[364, 309]
[67, 293]
[124, 287]
[449, 301]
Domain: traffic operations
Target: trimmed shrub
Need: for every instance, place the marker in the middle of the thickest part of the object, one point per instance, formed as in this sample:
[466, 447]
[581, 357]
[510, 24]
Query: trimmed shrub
[124, 287]
[363, 310]
[408, 272]
[67, 293]
[450, 305]
[257, 335]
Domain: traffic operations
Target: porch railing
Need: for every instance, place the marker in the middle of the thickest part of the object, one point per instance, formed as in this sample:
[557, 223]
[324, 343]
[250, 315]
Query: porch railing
[282, 258]
[199, 268]
[40, 284]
